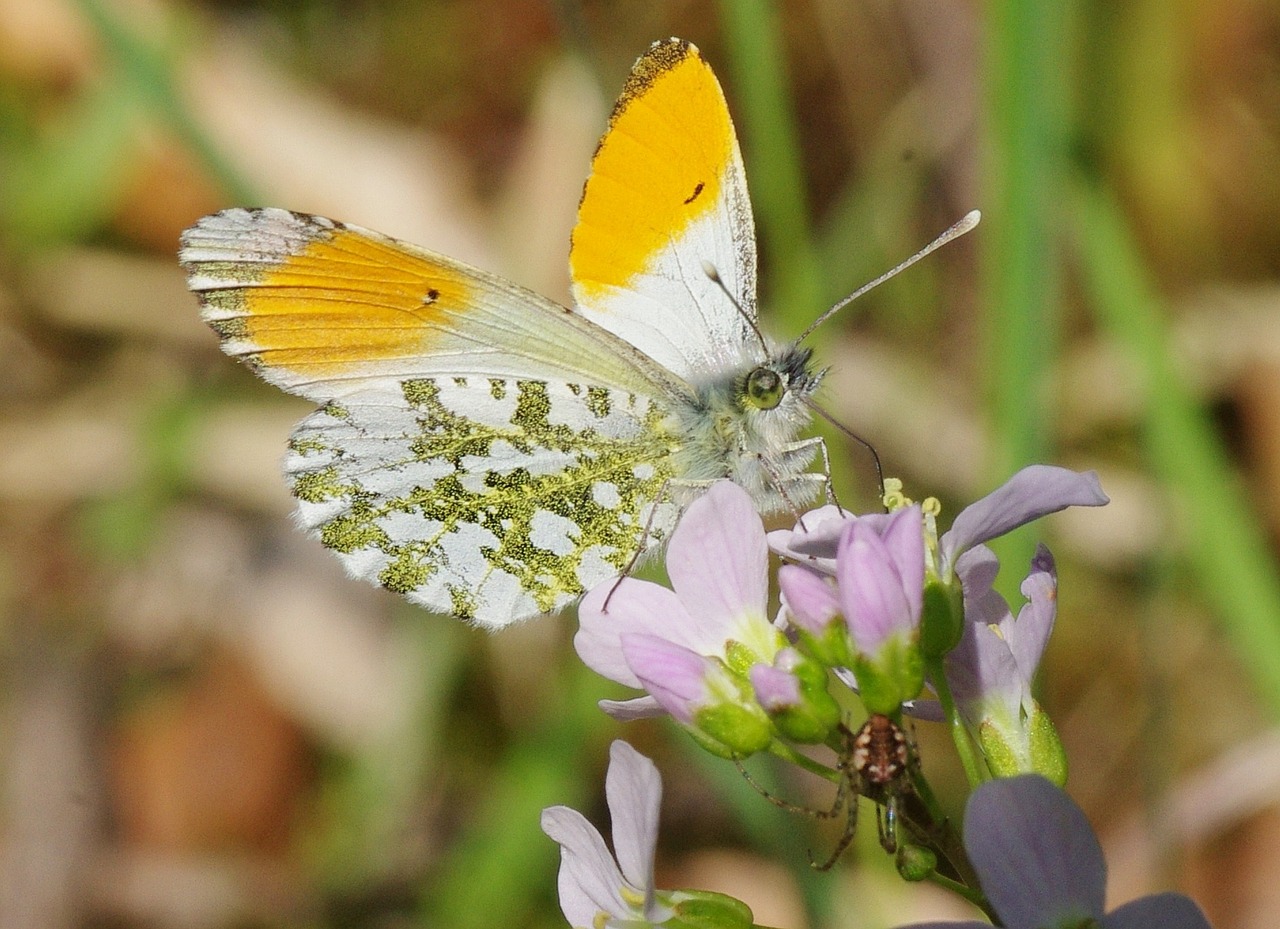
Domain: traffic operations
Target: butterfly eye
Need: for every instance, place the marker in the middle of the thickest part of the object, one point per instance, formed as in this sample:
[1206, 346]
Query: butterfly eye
[764, 389]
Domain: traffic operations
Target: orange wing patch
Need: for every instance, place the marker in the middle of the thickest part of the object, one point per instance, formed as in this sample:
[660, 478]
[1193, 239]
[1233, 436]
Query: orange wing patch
[347, 299]
[658, 168]
[309, 298]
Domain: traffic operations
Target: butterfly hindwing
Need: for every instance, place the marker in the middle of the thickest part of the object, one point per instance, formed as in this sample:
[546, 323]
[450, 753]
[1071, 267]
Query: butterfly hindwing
[486, 498]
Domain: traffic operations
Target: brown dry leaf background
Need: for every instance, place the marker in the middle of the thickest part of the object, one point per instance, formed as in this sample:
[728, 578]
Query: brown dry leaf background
[204, 724]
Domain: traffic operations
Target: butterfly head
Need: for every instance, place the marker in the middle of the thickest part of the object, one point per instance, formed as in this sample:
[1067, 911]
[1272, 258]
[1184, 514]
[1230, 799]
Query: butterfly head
[774, 394]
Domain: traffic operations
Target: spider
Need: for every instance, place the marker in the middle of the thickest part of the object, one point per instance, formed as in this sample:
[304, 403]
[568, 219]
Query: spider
[875, 764]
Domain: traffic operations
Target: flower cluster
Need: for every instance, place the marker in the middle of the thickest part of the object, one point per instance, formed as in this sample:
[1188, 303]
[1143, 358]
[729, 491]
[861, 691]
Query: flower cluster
[1037, 860]
[881, 606]
[901, 614]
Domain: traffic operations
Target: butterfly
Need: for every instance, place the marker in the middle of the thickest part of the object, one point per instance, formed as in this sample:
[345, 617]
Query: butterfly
[485, 451]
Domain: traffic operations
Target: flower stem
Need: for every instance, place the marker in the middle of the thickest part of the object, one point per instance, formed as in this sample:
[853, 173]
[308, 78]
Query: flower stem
[964, 747]
[787, 753]
[972, 894]
[933, 827]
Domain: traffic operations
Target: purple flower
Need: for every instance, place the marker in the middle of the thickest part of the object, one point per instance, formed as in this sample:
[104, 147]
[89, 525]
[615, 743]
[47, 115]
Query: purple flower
[816, 540]
[692, 646]
[597, 891]
[594, 889]
[879, 574]
[992, 669]
[1035, 491]
[1041, 867]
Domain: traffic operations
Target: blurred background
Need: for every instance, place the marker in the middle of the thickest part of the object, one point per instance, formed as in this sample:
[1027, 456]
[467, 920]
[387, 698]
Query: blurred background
[204, 724]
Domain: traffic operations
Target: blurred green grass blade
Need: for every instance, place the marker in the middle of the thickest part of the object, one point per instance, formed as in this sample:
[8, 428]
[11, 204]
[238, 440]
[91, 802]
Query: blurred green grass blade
[504, 865]
[64, 183]
[1225, 543]
[775, 169]
[152, 77]
[1025, 113]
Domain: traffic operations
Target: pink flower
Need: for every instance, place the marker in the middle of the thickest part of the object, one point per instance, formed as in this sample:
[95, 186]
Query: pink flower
[691, 646]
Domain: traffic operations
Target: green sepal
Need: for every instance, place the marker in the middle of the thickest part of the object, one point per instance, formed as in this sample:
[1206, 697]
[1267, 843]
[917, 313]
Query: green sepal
[1002, 758]
[941, 619]
[891, 677]
[832, 649]
[1048, 757]
[710, 745]
[1028, 746]
[742, 728]
[704, 909]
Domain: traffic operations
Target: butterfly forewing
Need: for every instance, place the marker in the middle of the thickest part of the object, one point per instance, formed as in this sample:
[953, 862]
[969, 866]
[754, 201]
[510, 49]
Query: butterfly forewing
[667, 193]
[323, 309]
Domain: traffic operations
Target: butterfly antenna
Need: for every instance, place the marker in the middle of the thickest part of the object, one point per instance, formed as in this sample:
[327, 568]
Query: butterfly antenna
[710, 271]
[875, 456]
[965, 224]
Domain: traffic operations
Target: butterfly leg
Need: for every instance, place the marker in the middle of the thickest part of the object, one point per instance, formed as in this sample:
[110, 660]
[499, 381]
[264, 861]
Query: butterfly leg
[642, 545]
[788, 475]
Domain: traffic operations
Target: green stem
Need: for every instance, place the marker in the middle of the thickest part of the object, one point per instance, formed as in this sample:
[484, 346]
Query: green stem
[964, 747]
[973, 895]
[787, 753]
[932, 826]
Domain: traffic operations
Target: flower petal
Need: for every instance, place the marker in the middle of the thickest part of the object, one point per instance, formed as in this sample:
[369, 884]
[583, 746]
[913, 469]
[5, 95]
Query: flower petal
[982, 667]
[589, 881]
[633, 788]
[1035, 491]
[810, 599]
[1028, 636]
[718, 563]
[871, 592]
[903, 534]
[1035, 853]
[980, 670]
[814, 538]
[674, 675]
[977, 568]
[775, 689]
[626, 711]
[634, 606]
[1159, 911]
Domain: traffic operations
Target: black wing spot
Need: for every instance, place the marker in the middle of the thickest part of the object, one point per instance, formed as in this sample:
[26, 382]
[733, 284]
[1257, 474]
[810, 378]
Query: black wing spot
[697, 191]
[430, 297]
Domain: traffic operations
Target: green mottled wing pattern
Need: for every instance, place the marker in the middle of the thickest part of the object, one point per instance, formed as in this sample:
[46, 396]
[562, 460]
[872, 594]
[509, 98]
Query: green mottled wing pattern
[490, 498]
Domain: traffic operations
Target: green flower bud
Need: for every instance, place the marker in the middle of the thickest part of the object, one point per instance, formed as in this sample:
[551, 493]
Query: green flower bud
[915, 862]
[703, 909]
[894, 675]
[812, 721]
